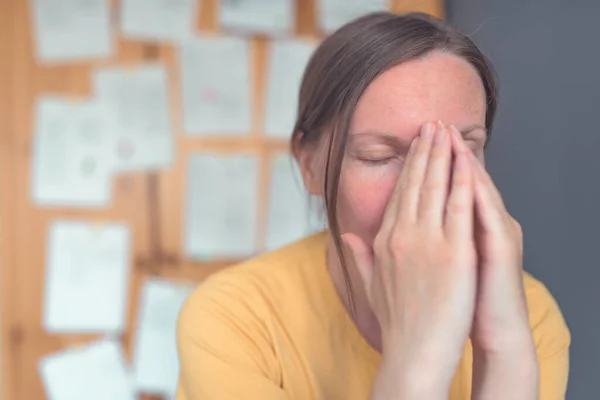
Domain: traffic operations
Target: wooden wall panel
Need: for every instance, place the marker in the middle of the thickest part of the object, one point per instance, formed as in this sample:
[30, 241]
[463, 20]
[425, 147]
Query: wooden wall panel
[144, 201]
[7, 220]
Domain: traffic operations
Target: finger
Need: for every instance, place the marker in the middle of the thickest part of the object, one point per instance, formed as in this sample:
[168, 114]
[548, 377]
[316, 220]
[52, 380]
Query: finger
[418, 146]
[489, 206]
[390, 215]
[362, 256]
[482, 176]
[458, 143]
[412, 181]
[458, 222]
[434, 193]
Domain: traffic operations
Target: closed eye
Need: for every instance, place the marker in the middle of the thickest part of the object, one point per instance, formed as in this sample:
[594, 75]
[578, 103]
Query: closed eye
[378, 161]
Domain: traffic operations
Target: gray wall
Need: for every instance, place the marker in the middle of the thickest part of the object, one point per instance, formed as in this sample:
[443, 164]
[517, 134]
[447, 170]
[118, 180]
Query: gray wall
[545, 150]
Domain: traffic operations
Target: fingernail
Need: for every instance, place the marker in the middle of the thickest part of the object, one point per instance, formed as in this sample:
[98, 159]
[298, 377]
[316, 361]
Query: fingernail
[428, 130]
[440, 124]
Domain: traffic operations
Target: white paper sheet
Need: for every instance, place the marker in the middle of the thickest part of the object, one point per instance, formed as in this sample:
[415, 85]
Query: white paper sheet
[71, 30]
[158, 20]
[95, 371]
[139, 98]
[87, 277]
[260, 16]
[292, 212]
[156, 363]
[215, 86]
[332, 14]
[287, 62]
[222, 204]
[74, 153]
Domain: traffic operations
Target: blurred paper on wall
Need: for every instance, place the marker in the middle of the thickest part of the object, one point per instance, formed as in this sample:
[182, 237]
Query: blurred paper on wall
[87, 277]
[155, 360]
[139, 98]
[332, 14]
[158, 20]
[258, 16]
[292, 213]
[287, 61]
[215, 86]
[74, 153]
[71, 30]
[222, 203]
[95, 371]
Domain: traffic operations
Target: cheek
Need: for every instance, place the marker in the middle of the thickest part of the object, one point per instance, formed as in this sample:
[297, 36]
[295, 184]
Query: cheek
[363, 198]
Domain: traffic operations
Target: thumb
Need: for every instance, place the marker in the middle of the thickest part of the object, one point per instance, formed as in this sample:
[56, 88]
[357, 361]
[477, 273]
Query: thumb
[362, 256]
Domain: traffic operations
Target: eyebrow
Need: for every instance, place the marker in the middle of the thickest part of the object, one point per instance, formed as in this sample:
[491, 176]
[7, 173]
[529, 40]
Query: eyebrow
[393, 140]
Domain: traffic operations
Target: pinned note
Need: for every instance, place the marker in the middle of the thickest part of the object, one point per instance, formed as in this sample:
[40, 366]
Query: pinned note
[222, 203]
[258, 16]
[74, 153]
[158, 20]
[138, 97]
[333, 14]
[287, 62]
[155, 360]
[87, 277]
[96, 371]
[71, 30]
[215, 86]
[292, 212]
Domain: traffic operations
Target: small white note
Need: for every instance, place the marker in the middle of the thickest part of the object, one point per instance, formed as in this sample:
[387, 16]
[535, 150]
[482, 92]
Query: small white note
[158, 20]
[222, 203]
[215, 86]
[87, 277]
[258, 16]
[287, 62]
[74, 153]
[291, 213]
[96, 371]
[71, 30]
[155, 360]
[333, 14]
[140, 101]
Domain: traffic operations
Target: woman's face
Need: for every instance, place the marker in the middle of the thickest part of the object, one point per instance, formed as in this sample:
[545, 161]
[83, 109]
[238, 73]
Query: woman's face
[388, 116]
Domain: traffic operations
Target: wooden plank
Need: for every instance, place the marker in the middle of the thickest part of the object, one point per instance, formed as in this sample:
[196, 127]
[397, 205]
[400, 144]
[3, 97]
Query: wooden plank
[7, 265]
[433, 7]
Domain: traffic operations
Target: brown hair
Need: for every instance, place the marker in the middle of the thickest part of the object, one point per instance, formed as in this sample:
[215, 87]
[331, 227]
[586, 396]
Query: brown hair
[346, 63]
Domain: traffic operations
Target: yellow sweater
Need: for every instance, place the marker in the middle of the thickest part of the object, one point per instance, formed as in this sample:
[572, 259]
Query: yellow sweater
[274, 328]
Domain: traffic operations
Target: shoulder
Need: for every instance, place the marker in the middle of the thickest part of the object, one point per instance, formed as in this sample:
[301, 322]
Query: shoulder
[273, 269]
[225, 327]
[549, 328]
[247, 292]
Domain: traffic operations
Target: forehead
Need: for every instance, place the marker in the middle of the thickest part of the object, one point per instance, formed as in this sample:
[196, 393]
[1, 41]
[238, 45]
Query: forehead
[438, 86]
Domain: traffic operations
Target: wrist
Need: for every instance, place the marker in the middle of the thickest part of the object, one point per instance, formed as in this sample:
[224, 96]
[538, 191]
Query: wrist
[504, 345]
[512, 374]
[415, 378]
[517, 363]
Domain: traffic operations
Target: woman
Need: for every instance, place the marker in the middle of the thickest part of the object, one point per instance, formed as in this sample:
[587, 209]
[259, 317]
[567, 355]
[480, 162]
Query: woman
[417, 289]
